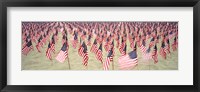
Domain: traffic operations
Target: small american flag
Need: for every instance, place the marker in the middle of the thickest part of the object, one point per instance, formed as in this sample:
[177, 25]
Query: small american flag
[48, 52]
[63, 39]
[109, 59]
[174, 45]
[94, 47]
[53, 45]
[75, 40]
[121, 47]
[25, 42]
[157, 39]
[99, 54]
[155, 54]
[128, 61]
[83, 53]
[124, 50]
[138, 38]
[85, 59]
[132, 42]
[106, 46]
[162, 50]
[84, 35]
[171, 34]
[39, 44]
[151, 42]
[80, 50]
[143, 48]
[167, 47]
[27, 48]
[44, 39]
[63, 54]
[118, 37]
[89, 40]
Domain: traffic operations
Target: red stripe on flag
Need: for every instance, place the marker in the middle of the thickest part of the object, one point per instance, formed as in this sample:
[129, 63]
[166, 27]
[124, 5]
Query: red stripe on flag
[62, 56]
[94, 48]
[80, 51]
[26, 50]
[85, 59]
[162, 53]
[99, 55]
[106, 64]
[125, 63]
[48, 53]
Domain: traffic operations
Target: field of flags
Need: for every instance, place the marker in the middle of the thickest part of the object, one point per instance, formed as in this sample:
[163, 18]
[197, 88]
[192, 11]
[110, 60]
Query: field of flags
[99, 45]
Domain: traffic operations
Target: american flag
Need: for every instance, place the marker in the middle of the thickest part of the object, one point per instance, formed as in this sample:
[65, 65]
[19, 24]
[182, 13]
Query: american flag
[112, 47]
[174, 45]
[53, 38]
[118, 37]
[48, 52]
[27, 48]
[56, 35]
[167, 47]
[63, 54]
[151, 42]
[106, 46]
[94, 47]
[171, 35]
[39, 44]
[99, 54]
[83, 52]
[85, 58]
[63, 39]
[25, 42]
[162, 50]
[155, 54]
[143, 48]
[89, 40]
[124, 50]
[148, 35]
[44, 39]
[53, 45]
[128, 61]
[109, 59]
[138, 38]
[130, 37]
[132, 42]
[74, 40]
[122, 46]
[157, 39]
[83, 36]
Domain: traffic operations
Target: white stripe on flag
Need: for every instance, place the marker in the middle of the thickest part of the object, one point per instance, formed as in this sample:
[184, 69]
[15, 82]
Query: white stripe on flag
[125, 63]
[61, 56]
[106, 64]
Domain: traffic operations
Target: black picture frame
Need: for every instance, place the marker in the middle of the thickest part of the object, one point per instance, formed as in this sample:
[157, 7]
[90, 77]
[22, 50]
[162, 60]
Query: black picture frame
[101, 3]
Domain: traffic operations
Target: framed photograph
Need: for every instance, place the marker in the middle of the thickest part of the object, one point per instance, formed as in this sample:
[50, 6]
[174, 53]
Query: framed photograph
[64, 45]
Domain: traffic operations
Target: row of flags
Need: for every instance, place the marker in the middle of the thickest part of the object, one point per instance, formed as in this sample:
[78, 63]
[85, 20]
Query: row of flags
[104, 35]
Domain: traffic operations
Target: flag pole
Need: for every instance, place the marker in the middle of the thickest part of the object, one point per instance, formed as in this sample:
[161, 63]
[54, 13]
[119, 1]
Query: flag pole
[51, 62]
[149, 65]
[68, 63]
[113, 64]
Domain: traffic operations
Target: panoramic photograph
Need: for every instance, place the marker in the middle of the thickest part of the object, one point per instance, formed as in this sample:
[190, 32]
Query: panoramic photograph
[99, 45]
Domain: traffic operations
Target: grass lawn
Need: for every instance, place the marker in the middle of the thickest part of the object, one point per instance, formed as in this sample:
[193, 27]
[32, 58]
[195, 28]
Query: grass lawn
[39, 61]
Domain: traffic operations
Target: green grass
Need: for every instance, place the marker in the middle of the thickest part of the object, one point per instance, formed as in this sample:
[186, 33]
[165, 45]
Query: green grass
[39, 61]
